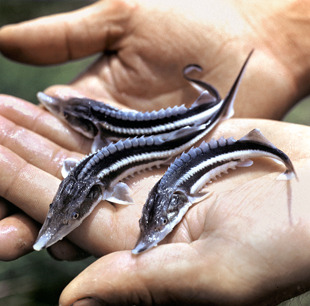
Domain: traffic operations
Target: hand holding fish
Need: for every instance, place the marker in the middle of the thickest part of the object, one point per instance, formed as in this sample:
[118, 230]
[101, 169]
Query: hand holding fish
[215, 236]
[31, 155]
[216, 252]
[142, 58]
[247, 245]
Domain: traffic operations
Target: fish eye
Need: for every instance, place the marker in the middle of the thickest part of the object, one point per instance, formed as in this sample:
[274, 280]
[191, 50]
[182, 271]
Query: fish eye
[161, 223]
[75, 215]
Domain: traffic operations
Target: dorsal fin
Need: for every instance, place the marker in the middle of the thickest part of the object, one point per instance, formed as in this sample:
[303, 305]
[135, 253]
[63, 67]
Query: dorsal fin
[257, 136]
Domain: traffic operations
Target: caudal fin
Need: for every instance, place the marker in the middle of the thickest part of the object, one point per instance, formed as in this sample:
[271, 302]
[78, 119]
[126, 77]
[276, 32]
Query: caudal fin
[256, 136]
[210, 94]
[230, 98]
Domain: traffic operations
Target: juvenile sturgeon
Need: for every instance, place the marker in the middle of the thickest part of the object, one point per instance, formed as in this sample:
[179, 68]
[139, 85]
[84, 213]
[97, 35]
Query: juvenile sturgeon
[105, 123]
[180, 186]
[98, 176]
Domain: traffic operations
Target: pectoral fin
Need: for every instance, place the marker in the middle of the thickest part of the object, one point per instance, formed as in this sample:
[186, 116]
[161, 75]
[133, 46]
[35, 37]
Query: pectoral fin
[68, 165]
[245, 163]
[119, 194]
[100, 140]
[198, 197]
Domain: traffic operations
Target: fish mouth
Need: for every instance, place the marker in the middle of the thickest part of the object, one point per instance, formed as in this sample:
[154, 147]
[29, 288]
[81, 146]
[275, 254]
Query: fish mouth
[50, 234]
[48, 238]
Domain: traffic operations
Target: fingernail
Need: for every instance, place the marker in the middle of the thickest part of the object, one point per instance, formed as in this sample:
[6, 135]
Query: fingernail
[87, 302]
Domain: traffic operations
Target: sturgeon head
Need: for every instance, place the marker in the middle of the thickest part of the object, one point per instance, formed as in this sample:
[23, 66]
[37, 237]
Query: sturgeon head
[73, 202]
[163, 210]
[74, 111]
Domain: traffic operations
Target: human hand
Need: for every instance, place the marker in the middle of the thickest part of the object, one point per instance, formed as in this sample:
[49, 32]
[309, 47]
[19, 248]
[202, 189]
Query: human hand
[37, 172]
[247, 244]
[33, 145]
[251, 218]
[146, 44]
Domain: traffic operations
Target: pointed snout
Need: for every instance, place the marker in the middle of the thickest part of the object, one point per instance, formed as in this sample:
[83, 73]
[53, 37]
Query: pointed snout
[145, 243]
[42, 242]
[52, 104]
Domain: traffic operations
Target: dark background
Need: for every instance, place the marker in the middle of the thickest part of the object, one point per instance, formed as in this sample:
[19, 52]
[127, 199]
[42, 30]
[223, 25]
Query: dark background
[37, 279]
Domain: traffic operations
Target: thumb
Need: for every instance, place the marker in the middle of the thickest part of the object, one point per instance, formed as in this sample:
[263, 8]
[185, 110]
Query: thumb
[165, 274]
[62, 37]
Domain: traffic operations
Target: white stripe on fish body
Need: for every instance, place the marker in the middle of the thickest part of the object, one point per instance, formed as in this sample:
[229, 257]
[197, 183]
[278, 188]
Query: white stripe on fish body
[60, 107]
[231, 156]
[221, 162]
[88, 173]
[196, 119]
[211, 175]
[219, 109]
[225, 104]
[160, 156]
[134, 115]
[135, 170]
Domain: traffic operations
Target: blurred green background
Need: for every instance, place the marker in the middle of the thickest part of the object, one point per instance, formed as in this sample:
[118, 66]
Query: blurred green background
[37, 279]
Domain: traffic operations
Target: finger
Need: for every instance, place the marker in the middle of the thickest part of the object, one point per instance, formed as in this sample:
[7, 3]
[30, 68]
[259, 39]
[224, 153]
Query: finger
[67, 36]
[155, 277]
[65, 250]
[33, 148]
[31, 117]
[28, 187]
[32, 190]
[18, 232]
[204, 271]
[17, 235]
